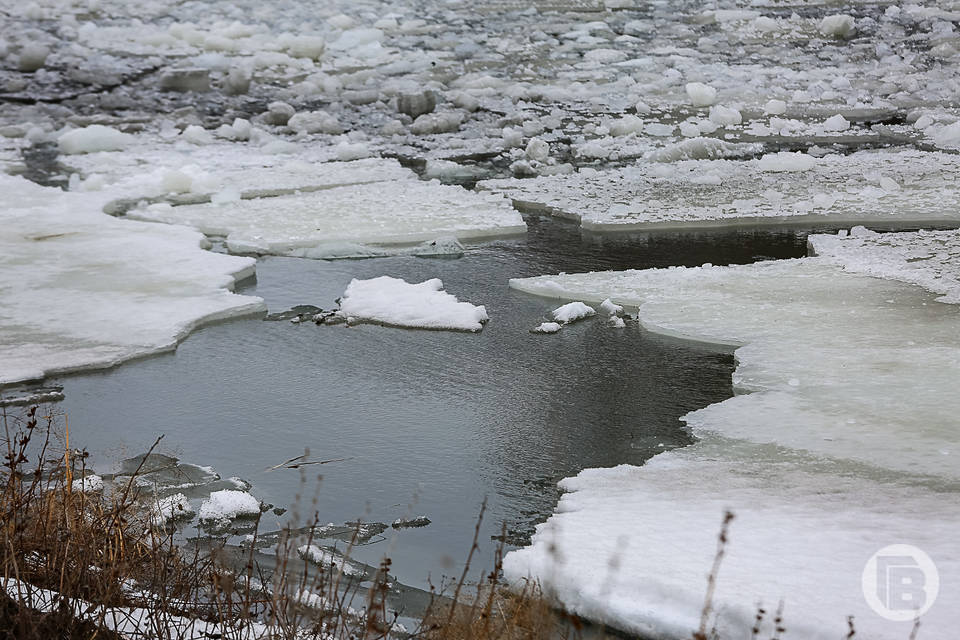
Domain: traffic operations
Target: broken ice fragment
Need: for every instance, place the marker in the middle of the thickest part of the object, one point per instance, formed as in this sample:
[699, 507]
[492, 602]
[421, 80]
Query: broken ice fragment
[571, 312]
[395, 302]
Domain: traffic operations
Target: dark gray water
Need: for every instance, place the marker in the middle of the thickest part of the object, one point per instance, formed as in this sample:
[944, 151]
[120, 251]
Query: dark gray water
[438, 419]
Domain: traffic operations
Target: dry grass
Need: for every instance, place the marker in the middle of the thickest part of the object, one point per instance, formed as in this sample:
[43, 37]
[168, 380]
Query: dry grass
[78, 564]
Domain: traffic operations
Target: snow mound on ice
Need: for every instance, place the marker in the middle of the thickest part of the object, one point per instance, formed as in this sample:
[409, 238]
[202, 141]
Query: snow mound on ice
[228, 504]
[571, 312]
[853, 409]
[395, 302]
[81, 289]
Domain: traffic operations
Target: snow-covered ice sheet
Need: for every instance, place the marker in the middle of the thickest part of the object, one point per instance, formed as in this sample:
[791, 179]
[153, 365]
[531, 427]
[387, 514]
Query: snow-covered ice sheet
[81, 289]
[152, 169]
[395, 302]
[320, 223]
[894, 187]
[842, 438]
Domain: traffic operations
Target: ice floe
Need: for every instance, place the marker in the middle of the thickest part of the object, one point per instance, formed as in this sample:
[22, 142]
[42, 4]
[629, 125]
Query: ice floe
[320, 223]
[83, 290]
[395, 302]
[892, 187]
[841, 440]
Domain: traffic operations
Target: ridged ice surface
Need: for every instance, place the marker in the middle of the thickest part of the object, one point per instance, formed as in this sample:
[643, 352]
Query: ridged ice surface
[83, 290]
[843, 438]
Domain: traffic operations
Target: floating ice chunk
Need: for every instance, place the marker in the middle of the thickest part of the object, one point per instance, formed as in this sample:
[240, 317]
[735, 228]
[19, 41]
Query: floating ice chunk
[765, 24]
[326, 558]
[786, 161]
[175, 507]
[889, 184]
[775, 107]
[279, 113]
[352, 151]
[94, 138]
[452, 171]
[609, 308]
[416, 104]
[702, 149]
[948, 136]
[354, 40]
[625, 126]
[571, 312]
[547, 327]
[659, 129]
[430, 123]
[836, 123]
[538, 150]
[722, 115]
[314, 122]
[239, 130]
[410, 523]
[88, 484]
[838, 26]
[395, 302]
[132, 288]
[197, 80]
[228, 504]
[195, 134]
[701, 95]
[689, 130]
[32, 57]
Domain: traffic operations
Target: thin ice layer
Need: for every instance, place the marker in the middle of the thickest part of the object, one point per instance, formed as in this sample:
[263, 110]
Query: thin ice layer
[395, 302]
[892, 187]
[83, 290]
[848, 443]
[399, 212]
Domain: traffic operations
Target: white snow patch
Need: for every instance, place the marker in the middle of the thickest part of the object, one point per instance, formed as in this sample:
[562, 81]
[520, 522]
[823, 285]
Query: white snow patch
[571, 312]
[547, 327]
[227, 504]
[395, 302]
